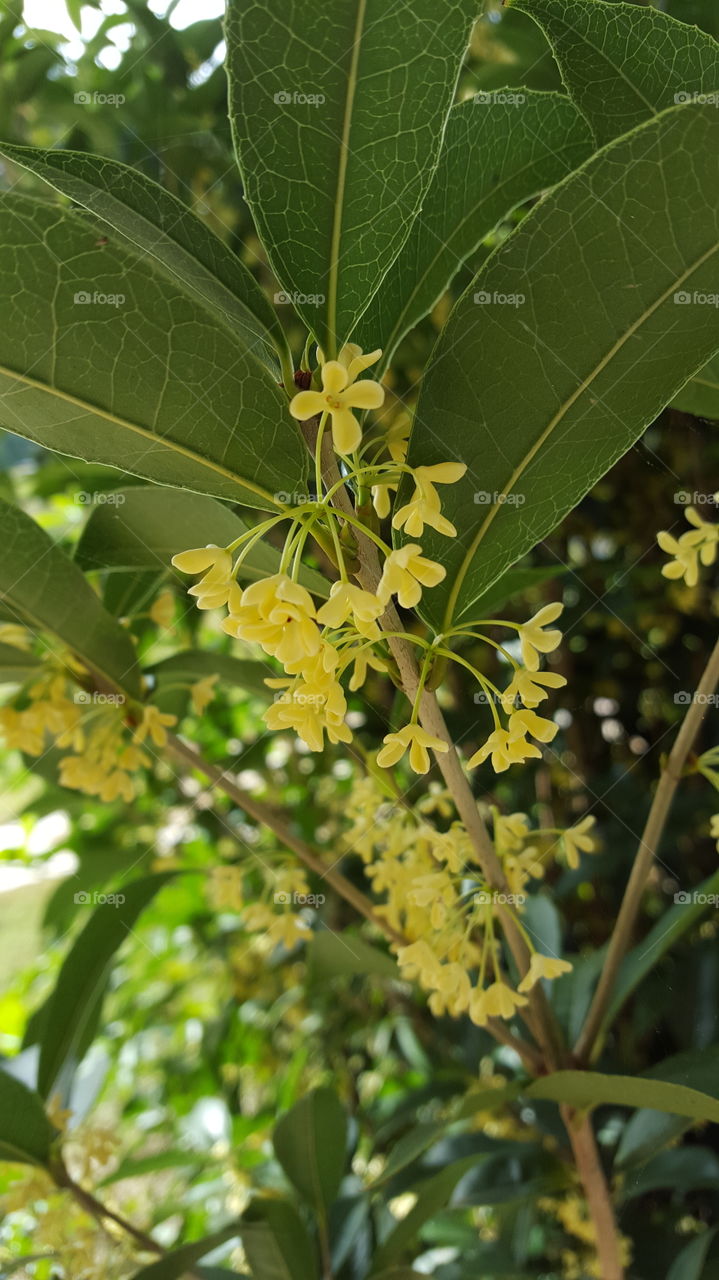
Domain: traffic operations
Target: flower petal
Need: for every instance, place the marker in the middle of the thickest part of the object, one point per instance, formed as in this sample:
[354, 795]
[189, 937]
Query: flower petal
[306, 404]
[364, 395]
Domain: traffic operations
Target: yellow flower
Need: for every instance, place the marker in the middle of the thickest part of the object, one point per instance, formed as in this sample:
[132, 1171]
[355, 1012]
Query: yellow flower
[278, 614]
[497, 1001]
[525, 722]
[202, 693]
[312, 709]
[364, 658]
[338, 397]
[345, 600]
[576, 841]
[224, 888]
[162, 610]
[17, 636]
[352, 359]
[535, 640]
[404, 574]
[424, 506]
[505, 749]
[697, 545]
[155, 723]
[215, 563]
[527, 685]
[415, 739]
[543, 967]
[714, 828]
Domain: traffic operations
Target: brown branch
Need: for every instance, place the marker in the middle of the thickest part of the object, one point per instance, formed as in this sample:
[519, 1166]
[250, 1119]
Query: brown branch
[589, 1038]
[599, 1203]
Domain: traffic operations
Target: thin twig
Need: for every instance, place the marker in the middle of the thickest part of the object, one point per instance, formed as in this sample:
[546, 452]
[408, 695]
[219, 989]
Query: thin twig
[589, 1168]
[648, 845]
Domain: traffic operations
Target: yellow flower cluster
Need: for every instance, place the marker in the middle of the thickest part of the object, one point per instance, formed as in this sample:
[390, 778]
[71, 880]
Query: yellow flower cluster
[697, 546]
[318, 645]
[278, 917]
[433, 895]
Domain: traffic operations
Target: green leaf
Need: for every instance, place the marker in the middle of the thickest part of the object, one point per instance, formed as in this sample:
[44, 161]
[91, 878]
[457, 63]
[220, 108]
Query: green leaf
[336, 152]
[499, 149]
[163, 228]
[19, 1264]
[515, 582]
[194, 664]
[143, 527]
[176, 1264]
[700, 395]
[660, 939]
[82, 978]
[310, 1142]
[683, 1169]
[432, 1195]
[344, 953]
[138, 1168]
[276, 1242]
[623, 64]
[648, 1131]
[149, 381]
[16, 665]
[689, 1264]
[26, 1134]
[592, 1089]
[572, 386]
[43, 588]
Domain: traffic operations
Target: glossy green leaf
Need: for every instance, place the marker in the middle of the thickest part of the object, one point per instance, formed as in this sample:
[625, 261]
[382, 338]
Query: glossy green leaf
[82, 978]
[432, 1195]
[310, 1142]
[592, 1089]
[26, 1134]
[16, 665]
[162, 226]
[661, 937]
[145, 526]
[622, 63]
[499, 149]
[648, 1131]
[515, 582]
[276, 1242]
[683, 1169]
[539, 397]
[336, 150]
[700, 395]
[689, 1264]
[42, 587]
[344, 953]
[106, 358]
[176, 1264]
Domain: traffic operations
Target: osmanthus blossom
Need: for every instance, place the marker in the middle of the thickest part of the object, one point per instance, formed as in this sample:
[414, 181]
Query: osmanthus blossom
[697, 546]
[341, 394]
[424, 507]
[417, 741]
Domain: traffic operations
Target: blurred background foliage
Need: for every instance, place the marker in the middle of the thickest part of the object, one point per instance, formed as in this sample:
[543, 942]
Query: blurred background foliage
[205, 1039]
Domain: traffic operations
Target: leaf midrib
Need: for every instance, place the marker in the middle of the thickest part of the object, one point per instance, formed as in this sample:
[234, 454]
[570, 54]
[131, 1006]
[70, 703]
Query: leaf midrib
[555, 421]
[144, 432]
[342, 180]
